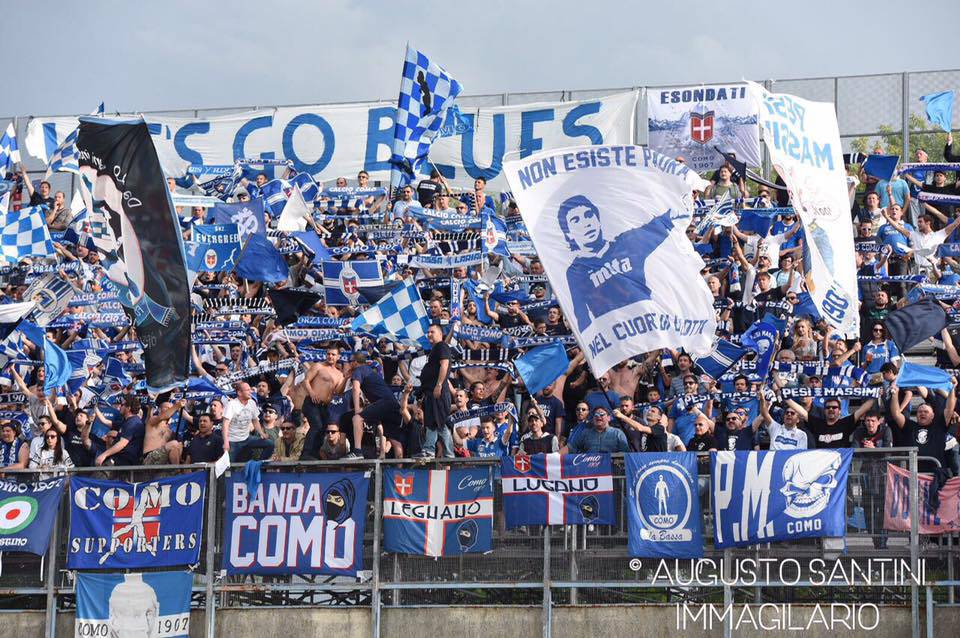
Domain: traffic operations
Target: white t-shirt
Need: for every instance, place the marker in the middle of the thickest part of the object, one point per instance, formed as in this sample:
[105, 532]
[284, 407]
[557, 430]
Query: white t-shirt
[925, 246]
[241, 417]
[782, 438]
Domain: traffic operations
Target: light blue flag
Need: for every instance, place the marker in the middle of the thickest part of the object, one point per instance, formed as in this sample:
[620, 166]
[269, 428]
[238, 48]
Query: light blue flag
[55, 361]
[542, 366]
[914, 375]
[939, 107]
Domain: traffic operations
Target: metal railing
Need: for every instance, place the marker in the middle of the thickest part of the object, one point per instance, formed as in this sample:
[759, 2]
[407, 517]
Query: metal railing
[545, 566]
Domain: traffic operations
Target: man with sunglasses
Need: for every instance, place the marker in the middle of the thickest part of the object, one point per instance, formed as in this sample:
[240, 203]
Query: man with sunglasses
[599, 438]
[783, 436]
[831, 430]
[289, 446]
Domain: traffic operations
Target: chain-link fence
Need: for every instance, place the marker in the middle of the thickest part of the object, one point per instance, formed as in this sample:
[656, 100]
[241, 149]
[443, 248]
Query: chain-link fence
[566, 565]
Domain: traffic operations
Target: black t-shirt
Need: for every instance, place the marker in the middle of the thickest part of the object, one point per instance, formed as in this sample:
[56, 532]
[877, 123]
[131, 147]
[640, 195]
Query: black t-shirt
[931, 440]
[506, 320]
[37, 200]
[552, 408]
[835, 436]
[731, 440]
[205, 449]
[703, 444]
[426, 190]
[431, 369]
[657, 440]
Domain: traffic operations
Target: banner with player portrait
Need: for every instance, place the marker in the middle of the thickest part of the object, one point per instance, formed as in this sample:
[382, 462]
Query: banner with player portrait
[147, 604]
[602, 219]
[696, 121]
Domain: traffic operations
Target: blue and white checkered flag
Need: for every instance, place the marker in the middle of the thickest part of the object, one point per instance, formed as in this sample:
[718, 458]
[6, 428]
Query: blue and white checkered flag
[25, 234]
[65, 158]
[9, 151]
[426, 92]
[400, 315]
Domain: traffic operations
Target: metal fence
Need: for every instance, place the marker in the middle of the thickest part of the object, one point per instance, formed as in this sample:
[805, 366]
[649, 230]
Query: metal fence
[546, 566]
[872, 108]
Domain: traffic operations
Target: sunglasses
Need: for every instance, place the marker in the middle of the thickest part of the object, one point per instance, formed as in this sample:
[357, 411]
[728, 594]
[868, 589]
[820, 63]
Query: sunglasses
[286, 429]
[532, 418]
[329, 432]
[583, 409]
[599, 414]
[52, 436]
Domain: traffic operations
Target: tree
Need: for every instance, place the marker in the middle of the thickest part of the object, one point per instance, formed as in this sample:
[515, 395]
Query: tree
[891, 140]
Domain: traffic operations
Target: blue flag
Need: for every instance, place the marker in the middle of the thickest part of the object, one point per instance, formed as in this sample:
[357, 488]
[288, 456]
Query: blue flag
[118, 525]
[148, 604]
[437, 512]
[55, 362]
[914, 375]
[27, 514]
[248, 216]
[761, 337]
[311, 243]
[215, 248]
[495, 235]
[756, 220]
[761, 497]
[558, 489]
[261, 261]
[881, 166]
[805, 306]
[939, 108]
[400, 316]
[541, 366]
[663, 505]
[723, 357]
[342, 280]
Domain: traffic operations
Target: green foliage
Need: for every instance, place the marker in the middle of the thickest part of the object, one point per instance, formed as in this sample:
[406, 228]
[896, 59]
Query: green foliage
[890, 140]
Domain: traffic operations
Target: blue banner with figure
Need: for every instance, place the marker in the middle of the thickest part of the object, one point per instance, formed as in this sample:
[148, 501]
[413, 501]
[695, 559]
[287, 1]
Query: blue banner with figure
[555, 489]
[121, 525]
[27, 514]
[148, 604]
[761, 497]
[437, 512]
[663, 505]
[294, 523]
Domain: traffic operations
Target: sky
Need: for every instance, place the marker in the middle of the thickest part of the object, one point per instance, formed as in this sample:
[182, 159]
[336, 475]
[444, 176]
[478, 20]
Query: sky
[177, 54]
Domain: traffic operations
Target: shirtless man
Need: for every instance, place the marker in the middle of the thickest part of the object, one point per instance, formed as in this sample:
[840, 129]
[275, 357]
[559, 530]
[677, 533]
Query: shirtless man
[322, 382]
[159, 445]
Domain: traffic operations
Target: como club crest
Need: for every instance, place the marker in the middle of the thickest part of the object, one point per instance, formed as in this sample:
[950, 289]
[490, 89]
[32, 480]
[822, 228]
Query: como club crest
[701, 125]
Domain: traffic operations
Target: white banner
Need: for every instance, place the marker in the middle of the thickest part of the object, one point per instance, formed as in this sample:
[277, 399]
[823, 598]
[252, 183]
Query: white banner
[341, 140]
[602, 221]
[804, 144]
[690, 121]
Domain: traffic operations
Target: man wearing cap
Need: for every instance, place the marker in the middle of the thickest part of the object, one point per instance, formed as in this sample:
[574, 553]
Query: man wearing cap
[290, 444]
[600, 438]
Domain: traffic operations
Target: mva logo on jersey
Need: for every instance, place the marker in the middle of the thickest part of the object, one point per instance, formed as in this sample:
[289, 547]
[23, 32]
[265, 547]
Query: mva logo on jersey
[149, 604]
[296, 524]
[759, 497]
[132, 525]
[555, 489]
[437, 512]
[663, 505]
[27, 513]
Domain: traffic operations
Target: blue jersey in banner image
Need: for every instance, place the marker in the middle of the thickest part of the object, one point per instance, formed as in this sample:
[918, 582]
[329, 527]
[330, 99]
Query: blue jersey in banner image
[663, 506]
[296, 524]
[149, 604]
[131, 525]
[555, 489]
[760, 497]
[27, 514]
[437, 512]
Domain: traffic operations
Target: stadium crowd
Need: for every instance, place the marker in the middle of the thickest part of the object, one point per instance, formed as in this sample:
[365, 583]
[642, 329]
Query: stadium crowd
[358, 397]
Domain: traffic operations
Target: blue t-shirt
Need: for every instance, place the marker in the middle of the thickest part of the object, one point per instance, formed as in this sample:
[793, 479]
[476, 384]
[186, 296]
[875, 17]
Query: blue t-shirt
[891, 236]
[900, 192]
[552, 408]
[684, 422]
[372, 384]
[876, 354]
[133, 431]
[484, 449]
[514, 436]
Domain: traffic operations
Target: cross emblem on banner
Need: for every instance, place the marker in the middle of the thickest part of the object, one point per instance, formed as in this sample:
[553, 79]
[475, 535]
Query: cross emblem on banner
[701, 127]
[403, 485]
[522, 463]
